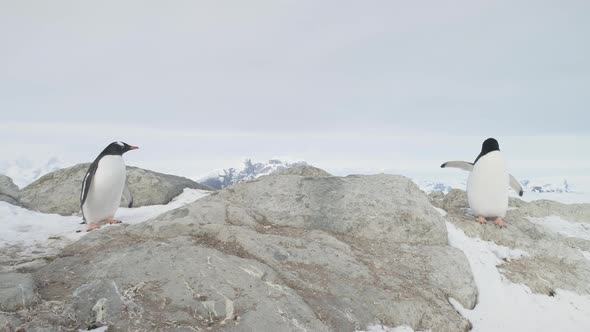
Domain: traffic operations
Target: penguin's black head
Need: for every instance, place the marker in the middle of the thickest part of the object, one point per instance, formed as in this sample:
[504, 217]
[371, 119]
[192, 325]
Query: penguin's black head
[118, 148]
[490, 145]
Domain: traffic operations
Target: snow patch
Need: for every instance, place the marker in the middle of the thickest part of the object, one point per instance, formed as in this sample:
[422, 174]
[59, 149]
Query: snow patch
[563, 227]
[505, 306]
[141, 214]
[441, 211]
[29, 235]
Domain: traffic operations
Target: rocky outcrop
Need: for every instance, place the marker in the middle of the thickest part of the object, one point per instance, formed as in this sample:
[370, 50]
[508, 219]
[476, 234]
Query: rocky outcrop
[553, 262]
[59, 191]
[304, 170]
[9, 192]
[17, 291]
[279, 253]
[153, 188]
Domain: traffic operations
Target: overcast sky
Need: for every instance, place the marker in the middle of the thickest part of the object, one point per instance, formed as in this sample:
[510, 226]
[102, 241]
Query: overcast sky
[337, 75]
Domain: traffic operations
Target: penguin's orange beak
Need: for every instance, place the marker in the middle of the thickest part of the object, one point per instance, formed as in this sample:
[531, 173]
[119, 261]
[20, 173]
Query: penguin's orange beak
[133, 148]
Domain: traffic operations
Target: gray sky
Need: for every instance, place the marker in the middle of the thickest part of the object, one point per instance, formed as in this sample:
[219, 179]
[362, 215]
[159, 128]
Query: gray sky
[349, 85]
[504, 67]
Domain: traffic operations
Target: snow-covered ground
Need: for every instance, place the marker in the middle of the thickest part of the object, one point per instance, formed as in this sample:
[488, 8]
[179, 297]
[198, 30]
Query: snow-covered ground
[505, 306]
[28, 235]
[563, 227]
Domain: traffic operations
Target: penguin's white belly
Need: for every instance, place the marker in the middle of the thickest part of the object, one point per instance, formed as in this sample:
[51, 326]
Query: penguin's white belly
[487, 186]
[106, 188]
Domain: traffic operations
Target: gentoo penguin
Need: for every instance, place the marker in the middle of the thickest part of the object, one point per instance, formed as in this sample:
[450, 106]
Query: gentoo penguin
[104, 184]
[487, 185]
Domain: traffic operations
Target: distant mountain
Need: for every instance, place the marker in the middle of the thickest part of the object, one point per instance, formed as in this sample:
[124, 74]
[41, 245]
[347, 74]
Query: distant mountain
[536, 186]
[23, 172]
[540, 187]
[230, 176]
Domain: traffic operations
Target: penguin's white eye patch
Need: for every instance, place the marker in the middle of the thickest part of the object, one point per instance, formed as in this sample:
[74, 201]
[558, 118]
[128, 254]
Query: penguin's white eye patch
[120, 144]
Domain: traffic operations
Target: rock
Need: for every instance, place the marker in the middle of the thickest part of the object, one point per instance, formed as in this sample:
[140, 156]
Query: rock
[59, 191]
[544, 208]
[304, 170]
[153, 188]
[9, 192]
[17, 291]
[56, 192]
[8, 322]
[436, 198]
[279, 253]
[553, 261]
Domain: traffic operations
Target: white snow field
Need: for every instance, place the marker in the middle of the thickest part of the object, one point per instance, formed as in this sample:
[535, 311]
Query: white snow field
[505, 306]
[26, 236]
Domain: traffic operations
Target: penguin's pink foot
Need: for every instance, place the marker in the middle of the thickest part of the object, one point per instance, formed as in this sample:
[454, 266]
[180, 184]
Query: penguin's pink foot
[92, 227]
[500, 222]
[482, 220]
[113, 222]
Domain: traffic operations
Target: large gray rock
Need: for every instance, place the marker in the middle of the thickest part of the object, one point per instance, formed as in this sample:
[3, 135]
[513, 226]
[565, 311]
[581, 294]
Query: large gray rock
[59, 191]
[153, 188]
[8, 322]
[17, 291]
[553, 262]
[304, 170]
[280, 253]
[9, 192]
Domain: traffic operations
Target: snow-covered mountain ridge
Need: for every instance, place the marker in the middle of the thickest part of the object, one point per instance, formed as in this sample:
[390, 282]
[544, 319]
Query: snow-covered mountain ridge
[556, 185]
[24, 171]
[249, 171]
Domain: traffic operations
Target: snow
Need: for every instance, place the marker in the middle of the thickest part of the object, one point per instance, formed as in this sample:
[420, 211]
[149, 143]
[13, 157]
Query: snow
[24, 171]
[140, 214]
[564, 227]
[28, 235]
[568, 190]
[505, 306]
[566, 198]
[248, 171]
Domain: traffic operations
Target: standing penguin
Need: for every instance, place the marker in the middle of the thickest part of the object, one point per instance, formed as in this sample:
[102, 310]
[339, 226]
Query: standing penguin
[487, 185]
[104, 184]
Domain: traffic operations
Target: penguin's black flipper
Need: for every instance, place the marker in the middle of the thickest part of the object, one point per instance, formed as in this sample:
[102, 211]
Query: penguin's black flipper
[516, 186]
[87, 182]
[464, 165]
